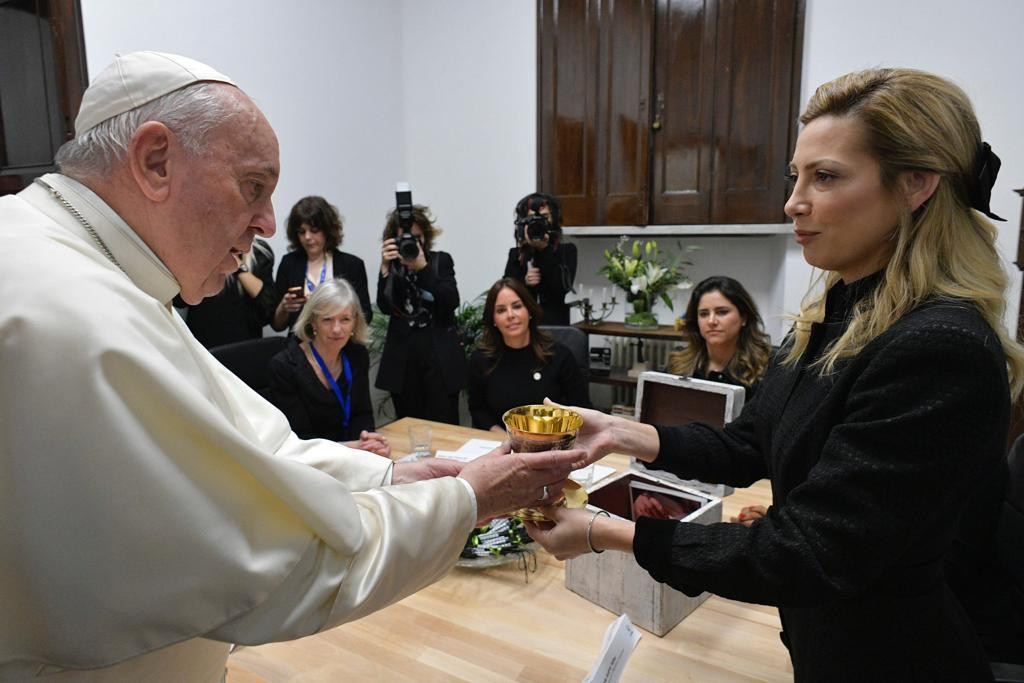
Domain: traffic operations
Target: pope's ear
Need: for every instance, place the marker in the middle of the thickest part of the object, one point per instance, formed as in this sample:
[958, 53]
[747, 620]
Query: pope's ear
[918, 187]
[151, 155]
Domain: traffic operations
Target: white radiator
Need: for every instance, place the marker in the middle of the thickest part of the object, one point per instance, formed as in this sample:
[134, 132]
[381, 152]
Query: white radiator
[624, 354]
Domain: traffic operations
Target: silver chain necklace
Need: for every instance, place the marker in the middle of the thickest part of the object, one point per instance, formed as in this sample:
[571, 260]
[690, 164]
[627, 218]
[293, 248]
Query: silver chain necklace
[81, 219]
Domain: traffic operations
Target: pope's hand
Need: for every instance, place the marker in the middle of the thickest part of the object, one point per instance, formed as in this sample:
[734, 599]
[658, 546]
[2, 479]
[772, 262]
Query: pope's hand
[506, 481]
[424, 468]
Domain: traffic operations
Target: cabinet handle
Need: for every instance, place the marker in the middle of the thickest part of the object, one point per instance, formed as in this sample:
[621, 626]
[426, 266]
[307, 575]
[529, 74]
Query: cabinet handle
[659, 109]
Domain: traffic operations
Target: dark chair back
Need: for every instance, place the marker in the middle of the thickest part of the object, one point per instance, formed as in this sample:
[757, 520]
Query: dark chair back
[250, 360]
[574, 339]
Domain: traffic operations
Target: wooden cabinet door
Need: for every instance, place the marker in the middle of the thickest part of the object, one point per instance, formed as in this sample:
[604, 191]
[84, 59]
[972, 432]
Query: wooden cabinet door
[594, 60]
[681, 126]
[757, 60]
[41, 85]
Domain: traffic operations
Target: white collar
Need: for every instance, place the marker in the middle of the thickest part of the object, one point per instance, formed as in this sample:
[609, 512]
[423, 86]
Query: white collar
[129, 252]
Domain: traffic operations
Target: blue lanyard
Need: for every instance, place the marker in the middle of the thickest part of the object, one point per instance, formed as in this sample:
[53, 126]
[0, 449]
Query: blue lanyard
[310, 286]
[346, 398]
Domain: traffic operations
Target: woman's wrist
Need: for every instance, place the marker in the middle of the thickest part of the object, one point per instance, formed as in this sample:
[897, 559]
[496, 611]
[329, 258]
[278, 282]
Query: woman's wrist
[606, 533]
[635, 438]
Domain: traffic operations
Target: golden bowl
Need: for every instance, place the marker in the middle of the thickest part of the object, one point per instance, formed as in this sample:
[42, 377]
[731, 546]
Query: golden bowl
[536, 428]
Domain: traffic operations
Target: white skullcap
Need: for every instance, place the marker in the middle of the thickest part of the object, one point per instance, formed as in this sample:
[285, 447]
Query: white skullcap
[135, 79]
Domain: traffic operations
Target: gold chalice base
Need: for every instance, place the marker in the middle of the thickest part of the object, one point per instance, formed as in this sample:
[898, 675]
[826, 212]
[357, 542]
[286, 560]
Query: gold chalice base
[574, 496]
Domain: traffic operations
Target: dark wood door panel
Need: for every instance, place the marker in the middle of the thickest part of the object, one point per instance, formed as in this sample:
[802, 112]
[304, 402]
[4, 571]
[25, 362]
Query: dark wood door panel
[684, 52]
[625, 74]
[752, 109]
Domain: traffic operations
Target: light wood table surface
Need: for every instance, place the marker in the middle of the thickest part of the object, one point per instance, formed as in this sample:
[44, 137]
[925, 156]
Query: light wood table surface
[493, 625]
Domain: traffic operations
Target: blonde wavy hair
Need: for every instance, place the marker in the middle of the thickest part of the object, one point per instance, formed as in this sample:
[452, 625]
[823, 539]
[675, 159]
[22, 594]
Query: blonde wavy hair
[330, 298]
[914, 120]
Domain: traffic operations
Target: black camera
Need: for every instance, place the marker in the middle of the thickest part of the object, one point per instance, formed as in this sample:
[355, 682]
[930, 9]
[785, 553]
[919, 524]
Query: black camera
[533, 227]
[408, 244]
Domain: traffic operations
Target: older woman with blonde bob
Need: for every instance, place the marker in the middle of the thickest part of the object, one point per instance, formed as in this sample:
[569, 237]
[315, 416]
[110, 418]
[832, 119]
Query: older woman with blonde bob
[886, 413]
[321, 382]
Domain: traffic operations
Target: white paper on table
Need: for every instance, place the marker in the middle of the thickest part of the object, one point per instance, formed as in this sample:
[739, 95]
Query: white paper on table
[619, 640]
[471, 450]
[599, 473]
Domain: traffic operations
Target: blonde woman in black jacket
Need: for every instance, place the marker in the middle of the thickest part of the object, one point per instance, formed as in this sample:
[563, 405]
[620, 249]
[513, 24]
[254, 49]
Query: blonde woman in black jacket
[886, 410]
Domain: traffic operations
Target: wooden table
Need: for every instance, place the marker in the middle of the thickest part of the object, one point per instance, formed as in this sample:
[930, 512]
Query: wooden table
[491, 625]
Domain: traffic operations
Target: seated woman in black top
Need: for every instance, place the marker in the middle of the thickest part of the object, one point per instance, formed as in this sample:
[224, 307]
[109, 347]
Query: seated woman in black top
[540, 259]
[516, 363]
[314, 235]
[321, 383]
[725, 337]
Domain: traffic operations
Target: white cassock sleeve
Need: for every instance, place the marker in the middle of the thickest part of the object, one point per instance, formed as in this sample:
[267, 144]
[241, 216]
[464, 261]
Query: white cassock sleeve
[149, 497]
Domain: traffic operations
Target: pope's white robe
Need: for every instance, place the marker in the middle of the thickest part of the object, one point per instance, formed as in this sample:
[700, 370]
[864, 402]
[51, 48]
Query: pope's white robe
[147, 496]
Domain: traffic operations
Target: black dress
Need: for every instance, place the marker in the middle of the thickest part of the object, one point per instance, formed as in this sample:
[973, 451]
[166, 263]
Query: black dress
[520, 379]
[291, 272]
[422, 363]
[557, 271]
[232, 315]
[313, 411]
[870, 469]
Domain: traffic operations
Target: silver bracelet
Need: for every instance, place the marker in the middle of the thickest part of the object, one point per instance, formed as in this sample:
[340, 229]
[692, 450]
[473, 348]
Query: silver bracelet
[590, 529]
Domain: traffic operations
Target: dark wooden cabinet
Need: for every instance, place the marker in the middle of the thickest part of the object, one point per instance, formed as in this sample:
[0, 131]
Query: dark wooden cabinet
[42, 78]
[668, 111]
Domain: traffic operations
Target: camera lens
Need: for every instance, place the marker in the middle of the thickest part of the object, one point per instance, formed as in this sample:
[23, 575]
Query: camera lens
[408, 246]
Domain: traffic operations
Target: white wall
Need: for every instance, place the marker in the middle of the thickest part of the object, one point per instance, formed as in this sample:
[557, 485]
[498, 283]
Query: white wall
[327, 75]
[469, 72]
[442, 93]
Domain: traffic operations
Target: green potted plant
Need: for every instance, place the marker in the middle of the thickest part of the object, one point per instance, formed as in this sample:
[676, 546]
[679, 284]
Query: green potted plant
[646, 275]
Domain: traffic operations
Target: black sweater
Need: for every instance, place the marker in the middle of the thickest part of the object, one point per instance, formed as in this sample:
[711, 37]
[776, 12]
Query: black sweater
[557, 271]
[313, 411]
[870, 469]
[520, 379]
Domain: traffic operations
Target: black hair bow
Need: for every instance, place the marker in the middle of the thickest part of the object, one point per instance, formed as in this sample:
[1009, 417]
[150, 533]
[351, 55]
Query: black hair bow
[979, 186]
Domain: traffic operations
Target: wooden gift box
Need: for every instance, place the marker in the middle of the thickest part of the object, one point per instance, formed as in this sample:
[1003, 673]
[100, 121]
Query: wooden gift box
[615, 581]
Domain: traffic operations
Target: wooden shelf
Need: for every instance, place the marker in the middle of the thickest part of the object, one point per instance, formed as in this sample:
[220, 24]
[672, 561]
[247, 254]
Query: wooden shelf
[667, 332]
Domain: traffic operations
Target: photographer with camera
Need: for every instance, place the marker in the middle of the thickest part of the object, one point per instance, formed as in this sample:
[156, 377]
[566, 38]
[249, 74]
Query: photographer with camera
[422, 364]
[540, 260]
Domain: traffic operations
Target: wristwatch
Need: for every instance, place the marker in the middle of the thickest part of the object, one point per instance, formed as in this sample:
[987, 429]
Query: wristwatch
[242, 268]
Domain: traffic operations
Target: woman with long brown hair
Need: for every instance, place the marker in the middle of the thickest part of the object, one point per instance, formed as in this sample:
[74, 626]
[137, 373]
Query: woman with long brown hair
[726, 341]
[517, 363]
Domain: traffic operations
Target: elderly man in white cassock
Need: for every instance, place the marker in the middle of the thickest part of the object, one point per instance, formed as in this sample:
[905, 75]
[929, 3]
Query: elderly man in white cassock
[153, 508]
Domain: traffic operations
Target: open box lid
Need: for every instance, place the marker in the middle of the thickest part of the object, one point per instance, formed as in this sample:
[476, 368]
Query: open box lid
[673, 400]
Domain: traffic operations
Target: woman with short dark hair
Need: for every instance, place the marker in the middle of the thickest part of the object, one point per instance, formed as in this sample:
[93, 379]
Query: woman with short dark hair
[540, 259]
[315, 232]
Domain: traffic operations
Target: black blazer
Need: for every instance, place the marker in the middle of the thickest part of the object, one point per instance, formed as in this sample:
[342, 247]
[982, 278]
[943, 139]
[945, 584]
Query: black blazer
[557, 272]
[520, 379]
[313, 411]
[870, 470]
[291, 272]
[438, 278]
